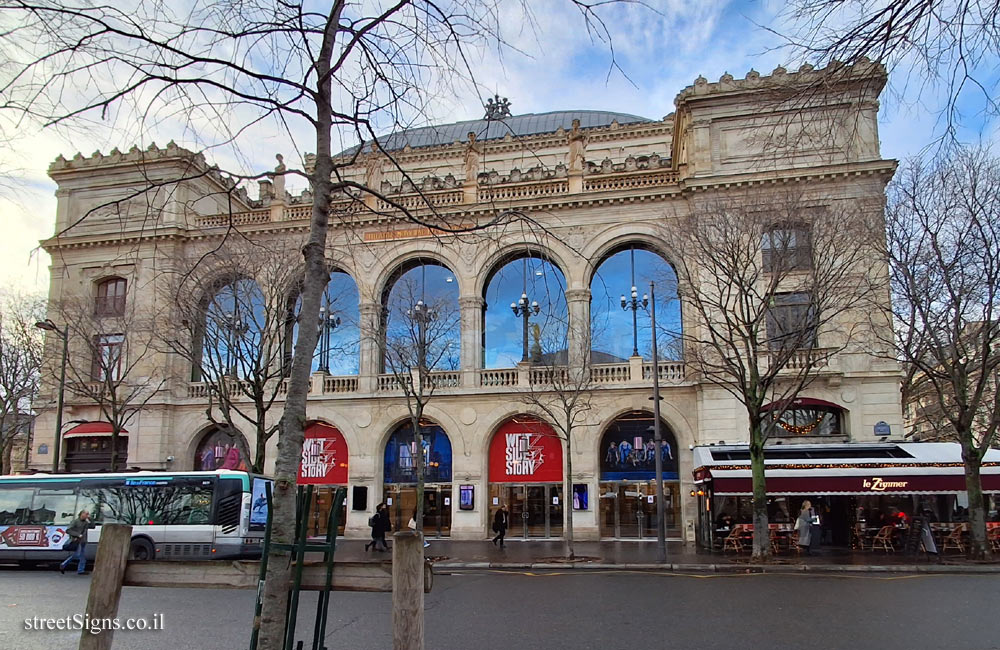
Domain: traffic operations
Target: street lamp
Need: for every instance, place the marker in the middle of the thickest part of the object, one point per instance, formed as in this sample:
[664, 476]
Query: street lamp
[633, 305]
[523, 310]
[237, 330]
[422, 315]
[328, 321]
[49, 326]
[661, 530]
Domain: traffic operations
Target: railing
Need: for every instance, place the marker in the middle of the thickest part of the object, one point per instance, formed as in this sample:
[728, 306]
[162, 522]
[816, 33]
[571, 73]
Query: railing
[332, 385]
[515, 191]
[548, 376]
[816, 358]
[610, 373]
[498, 378]
[627, 181]
[445, 379]
[669, 371]
[236, 219]
[390, 382]
[420, 201]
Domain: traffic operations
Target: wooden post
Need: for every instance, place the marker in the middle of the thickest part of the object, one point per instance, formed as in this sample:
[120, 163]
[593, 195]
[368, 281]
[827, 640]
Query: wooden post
[408, 591]
[106, 583]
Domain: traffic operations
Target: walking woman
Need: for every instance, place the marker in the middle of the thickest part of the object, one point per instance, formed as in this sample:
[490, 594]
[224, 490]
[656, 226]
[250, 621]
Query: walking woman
[77, 533]
[383, 526]
[500, 521]
[803, 525]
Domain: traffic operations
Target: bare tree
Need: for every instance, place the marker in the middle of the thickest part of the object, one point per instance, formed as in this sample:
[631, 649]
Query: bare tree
[946, 50]
[564, 395]
[943, 245]
[768, 284]
[420, 338]
[20, 366]
[227, 66]
[111, 361]
[237, 314]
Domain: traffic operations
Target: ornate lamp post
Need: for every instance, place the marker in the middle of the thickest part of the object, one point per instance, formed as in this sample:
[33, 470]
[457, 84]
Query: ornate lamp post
[328, 321]
[523, 310]
[422, 315]
[236, 331]
[633, 304]
[49, 326]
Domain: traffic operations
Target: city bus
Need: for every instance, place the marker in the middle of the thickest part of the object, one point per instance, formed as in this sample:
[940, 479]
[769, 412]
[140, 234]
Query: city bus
[217, 514]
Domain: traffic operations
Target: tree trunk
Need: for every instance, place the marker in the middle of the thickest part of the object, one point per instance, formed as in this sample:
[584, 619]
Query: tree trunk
[979, 548]
[761, 533]
[7, 448]
[418, 466]
[277, 580]
[260, 453]
[114, 448]
[568, 497]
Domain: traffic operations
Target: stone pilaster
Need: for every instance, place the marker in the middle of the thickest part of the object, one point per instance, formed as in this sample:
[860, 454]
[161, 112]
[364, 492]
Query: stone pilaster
[578, 338]
[472, 337]
[369, 354]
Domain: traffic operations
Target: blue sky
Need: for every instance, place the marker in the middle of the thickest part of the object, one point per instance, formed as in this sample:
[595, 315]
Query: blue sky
[558, 66]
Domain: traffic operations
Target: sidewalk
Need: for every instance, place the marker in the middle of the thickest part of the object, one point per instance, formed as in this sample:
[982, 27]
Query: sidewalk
[448, 555]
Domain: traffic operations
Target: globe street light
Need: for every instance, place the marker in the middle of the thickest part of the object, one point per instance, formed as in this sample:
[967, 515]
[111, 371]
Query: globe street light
[632, 304]
[523, 310]
[328, 321]
[49, 326]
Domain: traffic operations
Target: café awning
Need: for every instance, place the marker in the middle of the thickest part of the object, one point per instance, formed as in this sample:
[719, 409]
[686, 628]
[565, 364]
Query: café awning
[848, 469]
[92, 429]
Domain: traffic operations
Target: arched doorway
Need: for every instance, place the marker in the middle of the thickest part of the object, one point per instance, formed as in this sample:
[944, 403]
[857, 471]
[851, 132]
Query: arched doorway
[526, 474]
[222, 449]
[628, 479]
[324, 465]
[399, 471]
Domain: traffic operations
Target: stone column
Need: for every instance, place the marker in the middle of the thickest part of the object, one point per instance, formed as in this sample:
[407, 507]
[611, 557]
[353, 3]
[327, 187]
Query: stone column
[578, 336]
[471, 338]
[369, 353]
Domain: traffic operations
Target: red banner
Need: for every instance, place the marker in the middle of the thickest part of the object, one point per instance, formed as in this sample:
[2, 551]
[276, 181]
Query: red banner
[526, 451]
[874, 484]
[324, 456]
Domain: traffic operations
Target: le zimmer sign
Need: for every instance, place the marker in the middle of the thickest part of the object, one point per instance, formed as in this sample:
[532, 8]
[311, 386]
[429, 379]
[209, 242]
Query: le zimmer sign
[878, 484]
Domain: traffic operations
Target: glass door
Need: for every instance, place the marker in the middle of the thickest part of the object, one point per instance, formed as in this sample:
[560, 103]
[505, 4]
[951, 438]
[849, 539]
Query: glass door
[536, 511]
[631, 514]
[609, 510]
[402, 502]
[555, 511]
[319, 511]
[517, 508]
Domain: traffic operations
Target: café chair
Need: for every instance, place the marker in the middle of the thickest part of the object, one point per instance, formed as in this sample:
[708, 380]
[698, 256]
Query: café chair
[884, 539]
[734, 539]
[954, 540]
[858, 539]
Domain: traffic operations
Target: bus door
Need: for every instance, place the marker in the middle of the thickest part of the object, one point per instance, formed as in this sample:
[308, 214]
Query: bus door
[185, 509]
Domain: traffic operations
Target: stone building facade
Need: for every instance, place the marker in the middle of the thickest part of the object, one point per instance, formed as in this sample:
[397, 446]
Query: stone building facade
[599, 186]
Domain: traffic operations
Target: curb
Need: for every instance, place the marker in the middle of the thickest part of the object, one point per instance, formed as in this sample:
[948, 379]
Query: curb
[723, 568]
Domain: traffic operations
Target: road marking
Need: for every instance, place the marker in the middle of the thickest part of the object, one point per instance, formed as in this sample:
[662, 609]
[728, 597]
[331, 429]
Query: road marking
[705, 576]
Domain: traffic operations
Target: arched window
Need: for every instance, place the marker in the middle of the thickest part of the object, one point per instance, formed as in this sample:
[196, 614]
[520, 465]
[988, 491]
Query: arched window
[110, 299]
[236, 334]
[222, 449]
[339, 344]
[420, 318]
[805, 417]
[525, 282]
[618, 331]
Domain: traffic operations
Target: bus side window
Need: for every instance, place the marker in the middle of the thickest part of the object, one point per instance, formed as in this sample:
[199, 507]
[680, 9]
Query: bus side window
[54, 506]
[15, 505]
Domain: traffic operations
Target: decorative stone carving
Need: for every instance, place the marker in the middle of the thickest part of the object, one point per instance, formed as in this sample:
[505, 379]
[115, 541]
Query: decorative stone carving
[473, 153]
[577, 148]
[279, 178]
[373, 168]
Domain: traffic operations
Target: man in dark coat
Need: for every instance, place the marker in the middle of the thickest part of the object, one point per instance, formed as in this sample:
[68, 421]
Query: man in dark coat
[382, 526]
[500, 522]
[77, 533]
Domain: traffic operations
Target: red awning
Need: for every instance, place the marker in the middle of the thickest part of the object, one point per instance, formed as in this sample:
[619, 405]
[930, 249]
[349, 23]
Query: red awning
[92, 429]
[800, 402]
[874, 483]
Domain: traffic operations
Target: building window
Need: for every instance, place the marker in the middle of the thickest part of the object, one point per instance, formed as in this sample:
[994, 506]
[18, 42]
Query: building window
[792, 321]
[787, 247]
[110, 299]
[806, 421]
[107, 362]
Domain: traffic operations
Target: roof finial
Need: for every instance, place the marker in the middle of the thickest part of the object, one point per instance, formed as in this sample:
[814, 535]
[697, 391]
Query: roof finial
[497, 108]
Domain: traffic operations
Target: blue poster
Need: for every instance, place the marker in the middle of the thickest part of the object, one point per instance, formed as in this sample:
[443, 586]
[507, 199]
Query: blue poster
[628, 452]
[258, 504]
[400, 452]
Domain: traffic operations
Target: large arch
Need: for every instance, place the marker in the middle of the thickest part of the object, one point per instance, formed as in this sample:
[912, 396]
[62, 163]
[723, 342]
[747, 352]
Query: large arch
[420, 318]
[235, 323]
[338, 348]
[524, 279]
[620, 316]
[221, 448]
[400, 477]
[627, 475]
[525, 449]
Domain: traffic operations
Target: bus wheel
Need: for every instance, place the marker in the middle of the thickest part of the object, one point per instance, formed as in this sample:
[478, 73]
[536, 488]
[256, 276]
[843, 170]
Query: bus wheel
[140, 549]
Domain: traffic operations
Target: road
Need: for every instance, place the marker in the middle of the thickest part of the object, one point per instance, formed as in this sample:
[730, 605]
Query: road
[500, 611]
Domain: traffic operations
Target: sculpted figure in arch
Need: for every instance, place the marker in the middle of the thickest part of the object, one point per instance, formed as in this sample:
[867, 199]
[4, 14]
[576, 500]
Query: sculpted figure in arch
[577, 148]
[473, 152]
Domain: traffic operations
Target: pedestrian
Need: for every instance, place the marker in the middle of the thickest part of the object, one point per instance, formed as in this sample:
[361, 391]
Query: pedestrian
[374, 522]
[77, 533]
[803, 525]
[412, 525]
[383, 527]
[500, 522]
